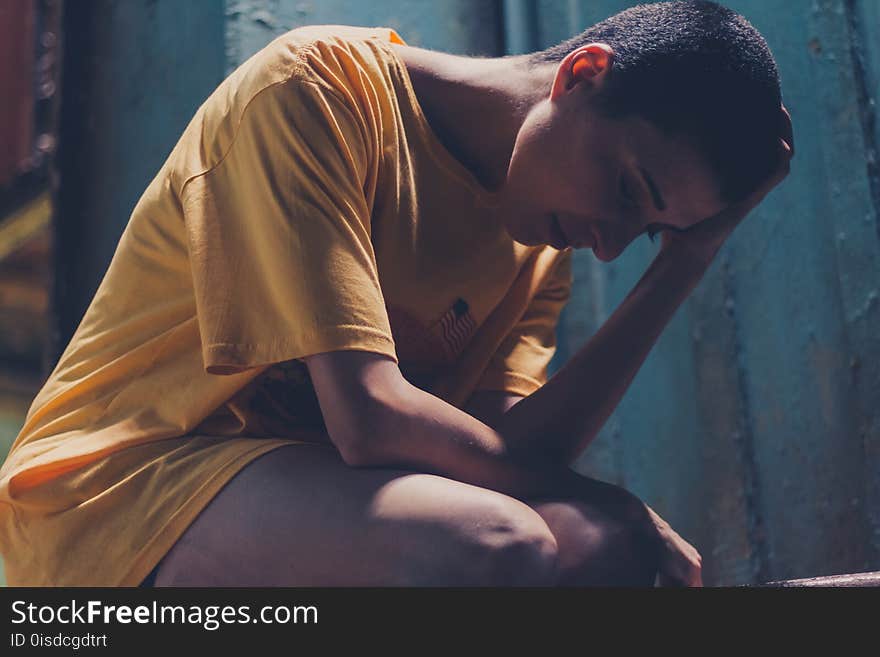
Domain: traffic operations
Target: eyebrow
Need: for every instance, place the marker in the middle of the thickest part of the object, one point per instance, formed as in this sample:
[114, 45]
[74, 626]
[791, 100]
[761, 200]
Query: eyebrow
[659, 203]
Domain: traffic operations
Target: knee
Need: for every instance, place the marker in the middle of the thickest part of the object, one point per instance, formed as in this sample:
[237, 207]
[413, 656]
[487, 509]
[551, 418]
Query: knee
[518, 550]
[505, 543]
[496, 542]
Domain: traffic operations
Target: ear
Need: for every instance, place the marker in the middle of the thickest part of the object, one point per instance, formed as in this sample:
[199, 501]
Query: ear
[590, 63]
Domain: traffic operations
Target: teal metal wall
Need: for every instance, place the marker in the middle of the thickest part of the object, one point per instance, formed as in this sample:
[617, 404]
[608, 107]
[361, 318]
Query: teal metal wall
[754, 426]
[133, 74]
[469, 27]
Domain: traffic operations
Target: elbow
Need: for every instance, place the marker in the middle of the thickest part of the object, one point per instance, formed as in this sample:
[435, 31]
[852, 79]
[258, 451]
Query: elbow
[355, 452]
[365, 420]
[360, 443]
[358, 393]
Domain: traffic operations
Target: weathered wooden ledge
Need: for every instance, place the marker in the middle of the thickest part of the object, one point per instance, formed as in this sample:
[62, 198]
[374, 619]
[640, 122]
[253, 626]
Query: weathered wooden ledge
[848, 580]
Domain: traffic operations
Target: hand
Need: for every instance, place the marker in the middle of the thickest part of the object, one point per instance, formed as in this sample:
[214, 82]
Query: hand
[705, 238]
[680, 563]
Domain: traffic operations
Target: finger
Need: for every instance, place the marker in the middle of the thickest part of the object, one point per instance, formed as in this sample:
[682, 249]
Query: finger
[670, 582]
[786, 147]
[696, 577]
[785, 156]
[787, 129]
[783, 167]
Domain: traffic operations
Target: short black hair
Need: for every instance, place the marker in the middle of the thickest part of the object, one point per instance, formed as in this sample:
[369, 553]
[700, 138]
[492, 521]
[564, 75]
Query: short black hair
[695, 69]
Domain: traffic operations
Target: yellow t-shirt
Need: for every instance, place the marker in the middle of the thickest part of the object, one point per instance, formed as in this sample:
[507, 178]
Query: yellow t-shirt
[306, 208]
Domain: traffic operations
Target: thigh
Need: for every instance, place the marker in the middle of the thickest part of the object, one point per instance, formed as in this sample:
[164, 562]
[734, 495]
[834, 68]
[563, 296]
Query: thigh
[299, 516]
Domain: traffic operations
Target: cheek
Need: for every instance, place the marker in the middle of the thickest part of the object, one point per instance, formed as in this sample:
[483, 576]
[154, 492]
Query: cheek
[533, 172]
[593, 182]
[542, 167]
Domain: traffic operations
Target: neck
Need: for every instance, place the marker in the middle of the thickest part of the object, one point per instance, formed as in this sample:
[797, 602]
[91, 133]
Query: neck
[476, 106]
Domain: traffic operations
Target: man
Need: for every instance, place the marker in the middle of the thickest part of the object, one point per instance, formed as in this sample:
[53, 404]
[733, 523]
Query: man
[358, 251]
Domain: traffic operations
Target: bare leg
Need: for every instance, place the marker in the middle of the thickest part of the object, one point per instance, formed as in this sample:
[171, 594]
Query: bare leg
[299, 516]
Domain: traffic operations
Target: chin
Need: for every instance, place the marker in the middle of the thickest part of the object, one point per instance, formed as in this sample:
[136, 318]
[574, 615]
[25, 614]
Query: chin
[524, 239]
[604, 257]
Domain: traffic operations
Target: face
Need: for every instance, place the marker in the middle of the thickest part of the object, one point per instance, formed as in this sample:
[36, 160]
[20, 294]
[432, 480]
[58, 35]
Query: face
[602, 182]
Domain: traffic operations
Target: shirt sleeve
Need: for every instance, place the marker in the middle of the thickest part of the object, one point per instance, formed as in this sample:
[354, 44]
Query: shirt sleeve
[279, 235]
[519, 365]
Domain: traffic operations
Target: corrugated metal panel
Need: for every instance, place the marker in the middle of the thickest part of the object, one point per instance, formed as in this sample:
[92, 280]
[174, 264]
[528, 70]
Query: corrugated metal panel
[864, 20]
[806, 266]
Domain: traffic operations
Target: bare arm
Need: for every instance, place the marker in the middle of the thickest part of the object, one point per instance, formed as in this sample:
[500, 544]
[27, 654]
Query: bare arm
[377, 418]
[560, 419]
[557, 421]
[563, 416]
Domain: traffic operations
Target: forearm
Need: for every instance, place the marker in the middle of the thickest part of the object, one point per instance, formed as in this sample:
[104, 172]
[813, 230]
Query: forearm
[561, 418]
[418, 431]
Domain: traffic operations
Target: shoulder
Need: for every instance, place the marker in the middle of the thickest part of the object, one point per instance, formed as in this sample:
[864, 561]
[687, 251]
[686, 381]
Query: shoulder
[329, 54]
[308, 81]
[357, 64]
